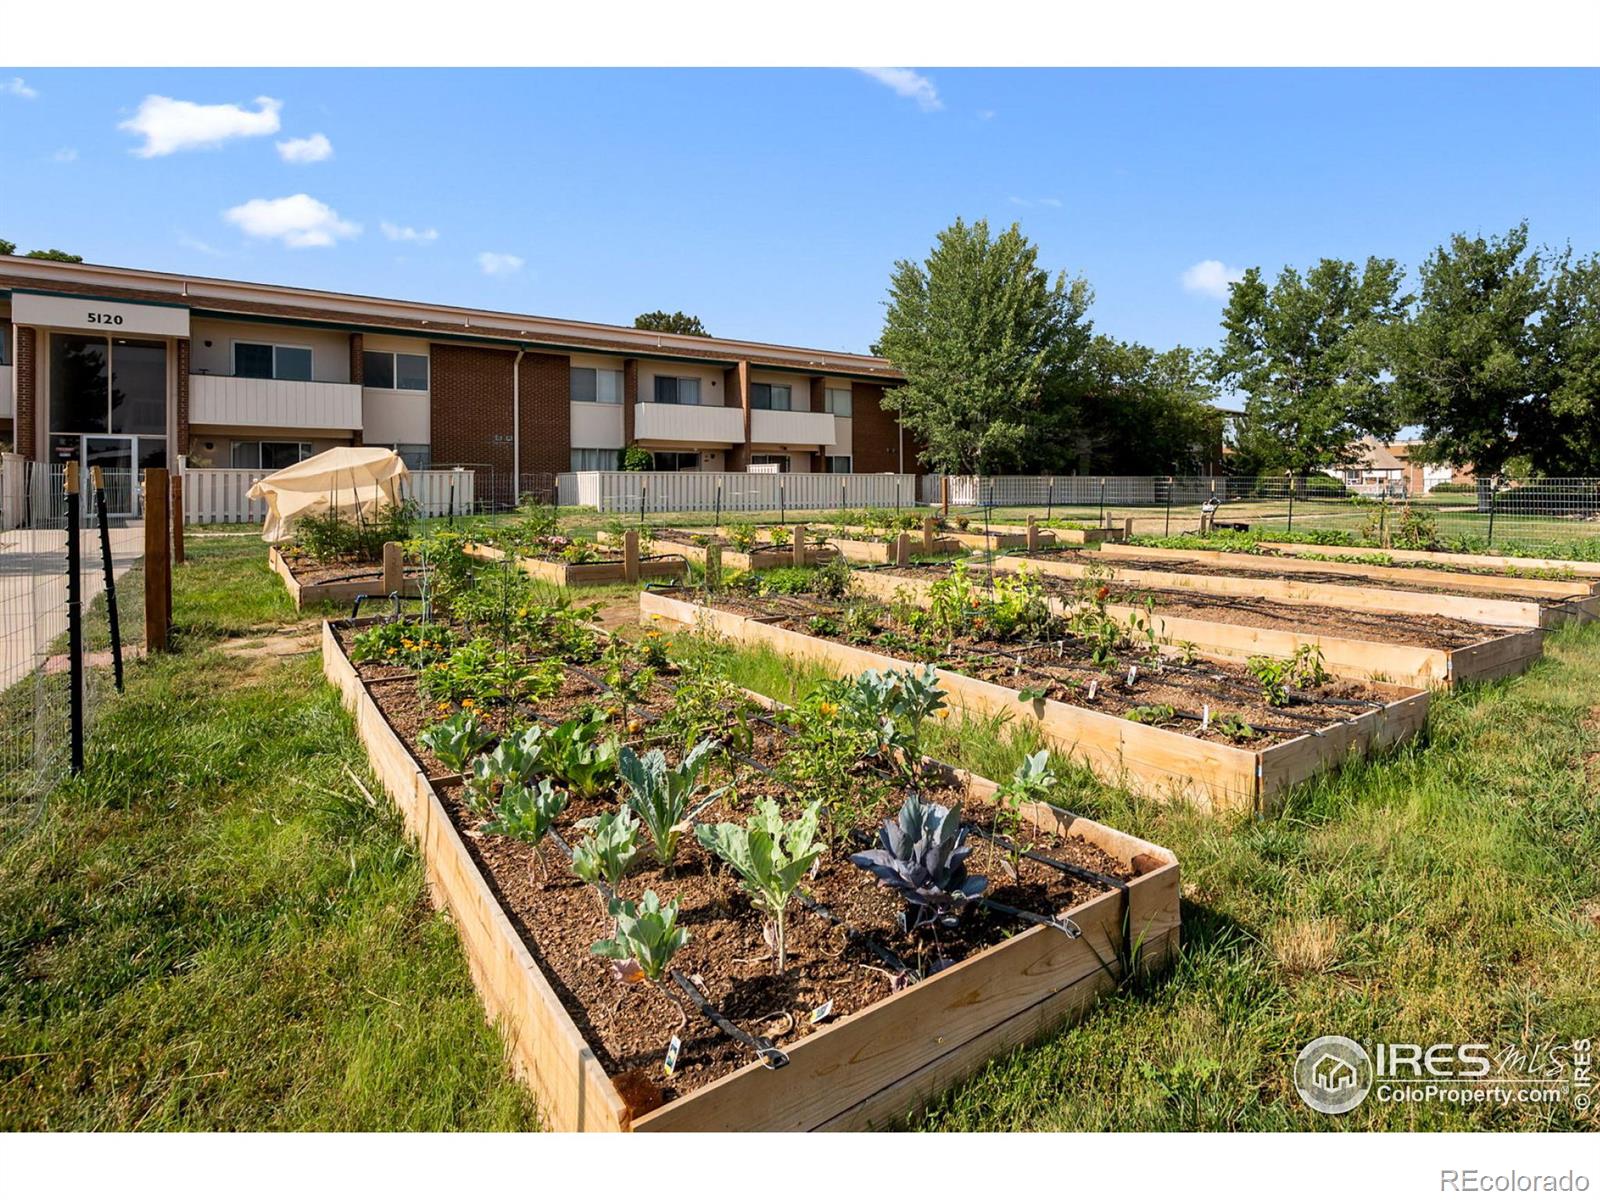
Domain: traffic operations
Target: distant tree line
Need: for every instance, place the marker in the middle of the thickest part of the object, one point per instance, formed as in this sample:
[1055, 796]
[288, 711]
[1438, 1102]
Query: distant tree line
[1495, 356]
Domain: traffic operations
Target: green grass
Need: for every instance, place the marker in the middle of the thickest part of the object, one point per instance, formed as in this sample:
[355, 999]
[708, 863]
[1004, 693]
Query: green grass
[1446, 893]
[213, 929]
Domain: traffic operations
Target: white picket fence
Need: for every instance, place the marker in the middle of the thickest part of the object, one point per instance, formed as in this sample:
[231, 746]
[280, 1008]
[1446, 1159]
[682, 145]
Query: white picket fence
[1010, 491]
[732, 491]
[213, 496]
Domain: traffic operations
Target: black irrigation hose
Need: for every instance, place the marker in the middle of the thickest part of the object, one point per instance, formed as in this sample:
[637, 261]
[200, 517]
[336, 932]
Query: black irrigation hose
[883, 954]
[771, 1057]
[1076, 872]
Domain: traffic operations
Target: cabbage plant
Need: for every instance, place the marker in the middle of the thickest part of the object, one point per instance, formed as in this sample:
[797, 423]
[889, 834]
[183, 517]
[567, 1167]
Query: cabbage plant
[922, 854]
[771, 856]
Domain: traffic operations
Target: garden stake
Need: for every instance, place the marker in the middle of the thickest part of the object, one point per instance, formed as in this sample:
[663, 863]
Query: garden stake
[1102, 520]
[74, 619]
[98, 478]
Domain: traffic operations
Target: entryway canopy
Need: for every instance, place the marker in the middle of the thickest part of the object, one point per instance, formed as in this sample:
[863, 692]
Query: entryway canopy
[349, 479]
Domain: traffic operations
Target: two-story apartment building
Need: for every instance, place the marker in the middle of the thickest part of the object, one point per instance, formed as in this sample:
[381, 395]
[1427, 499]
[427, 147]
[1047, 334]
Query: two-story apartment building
[126, 368]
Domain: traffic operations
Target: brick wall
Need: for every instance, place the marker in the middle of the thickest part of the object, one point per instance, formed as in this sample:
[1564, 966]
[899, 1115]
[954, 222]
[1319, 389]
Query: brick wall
[736, 392]
[469, 403]
[875, 436]
[183, 403]
[26, 391]
[546, 417]
[630, 397]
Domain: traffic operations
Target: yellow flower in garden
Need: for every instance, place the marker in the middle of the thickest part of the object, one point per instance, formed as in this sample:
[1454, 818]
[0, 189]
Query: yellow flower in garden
[469, 704]
[828, 710]
[443, 706]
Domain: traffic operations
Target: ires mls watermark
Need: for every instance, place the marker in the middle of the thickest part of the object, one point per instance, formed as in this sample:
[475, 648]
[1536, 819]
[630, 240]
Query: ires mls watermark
[1335, 1074]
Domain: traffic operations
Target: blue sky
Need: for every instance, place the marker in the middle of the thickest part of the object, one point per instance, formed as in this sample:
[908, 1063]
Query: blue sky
[773, 203]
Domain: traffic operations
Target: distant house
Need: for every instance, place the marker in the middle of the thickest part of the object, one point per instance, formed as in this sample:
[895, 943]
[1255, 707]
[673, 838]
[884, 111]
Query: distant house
[1422, 477]
[1375, 471]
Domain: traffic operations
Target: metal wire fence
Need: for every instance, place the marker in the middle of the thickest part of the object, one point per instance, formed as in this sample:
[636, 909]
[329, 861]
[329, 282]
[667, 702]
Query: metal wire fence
[1557, 516]
[37, 591]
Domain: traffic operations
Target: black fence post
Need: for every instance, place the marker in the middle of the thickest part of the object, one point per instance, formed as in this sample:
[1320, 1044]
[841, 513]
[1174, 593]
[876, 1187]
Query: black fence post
[1171, 487]
[1101, 522]
[113, 621]
[783, 510]
[1289, 479]
[716, 522]
[1494, 489]
[75, 617]
[1049, 498]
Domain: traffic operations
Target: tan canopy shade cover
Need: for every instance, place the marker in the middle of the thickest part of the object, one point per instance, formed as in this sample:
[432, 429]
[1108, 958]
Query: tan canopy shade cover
[354, 480]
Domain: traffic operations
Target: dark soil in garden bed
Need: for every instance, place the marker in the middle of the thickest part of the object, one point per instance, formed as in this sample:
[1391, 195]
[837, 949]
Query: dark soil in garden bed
[829, 960]
[1063, 670]
[1437, 633]
[1267, 568]
[310, 571]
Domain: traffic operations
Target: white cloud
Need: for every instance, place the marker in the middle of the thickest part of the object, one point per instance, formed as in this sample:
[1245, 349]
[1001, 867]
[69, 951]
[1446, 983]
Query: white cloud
[15, 87]
[311, 149]
[169, 125]
[297, 221]
[405, 233]
[499, 264]
[1211, 277]
[194, 243]
[65, 155]
[903, 81]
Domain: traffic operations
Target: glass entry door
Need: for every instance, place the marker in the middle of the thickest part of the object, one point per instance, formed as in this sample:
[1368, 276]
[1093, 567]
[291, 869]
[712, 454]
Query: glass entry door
[114, 457]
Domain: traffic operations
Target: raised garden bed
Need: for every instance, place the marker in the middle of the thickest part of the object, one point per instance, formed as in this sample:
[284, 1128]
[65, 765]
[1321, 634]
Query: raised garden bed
[1329, 568]
[613, 567]
[1530, 613]
[313, 582]
[1194, 758]
[692, 544]
[1508, 564]
[593, 1053]
[1414, 651]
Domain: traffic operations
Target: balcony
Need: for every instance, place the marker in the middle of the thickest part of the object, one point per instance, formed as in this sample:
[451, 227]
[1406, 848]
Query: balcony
[774, 428]
[273, 403]
[691, 424]
[7, 408]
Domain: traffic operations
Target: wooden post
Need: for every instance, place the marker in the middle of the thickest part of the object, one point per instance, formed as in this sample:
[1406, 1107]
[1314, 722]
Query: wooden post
[1205, 524]
[1127, 529]
[1033, 532]
[944, 494]
[177, 520]
[799, 547]
[713, 568]
[630, 555]
[157, 561]
[927, 534]
[394, 570]
[902, 549]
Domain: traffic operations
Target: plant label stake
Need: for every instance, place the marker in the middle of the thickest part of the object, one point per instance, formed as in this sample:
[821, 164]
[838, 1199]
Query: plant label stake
[821, 1012]
[673, 1048]
[1205, 717]
[1094, 686]
[1133, 673]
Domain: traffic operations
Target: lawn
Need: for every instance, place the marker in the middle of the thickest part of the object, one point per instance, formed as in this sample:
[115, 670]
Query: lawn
[214, 928]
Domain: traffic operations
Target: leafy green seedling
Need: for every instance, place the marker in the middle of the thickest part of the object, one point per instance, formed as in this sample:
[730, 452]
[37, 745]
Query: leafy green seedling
[647, 936]
[771, 856]
[527, 814]
[457, 739]
[662, 796]
[609, 849]
[574, 754]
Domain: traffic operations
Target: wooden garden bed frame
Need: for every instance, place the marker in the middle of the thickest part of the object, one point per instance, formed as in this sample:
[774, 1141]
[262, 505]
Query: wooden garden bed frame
[761, 558]
[391, 579]
[1549, 589]
[1155, 762]
[630, 568]
[864, 1070]
[1485, 610]
[1353, 658]
[1588, 570]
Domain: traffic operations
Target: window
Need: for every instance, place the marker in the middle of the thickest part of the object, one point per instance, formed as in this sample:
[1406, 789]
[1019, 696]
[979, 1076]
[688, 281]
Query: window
[838, 464]
[5, 345]
[781, 461]
[594, 460]
[391, 371]
[592, 386]
[773, 396]
[677, 391]
[269, 456]
[837, 401]
[260, 360]
[100, 385]
[416, 456]
[672, 460]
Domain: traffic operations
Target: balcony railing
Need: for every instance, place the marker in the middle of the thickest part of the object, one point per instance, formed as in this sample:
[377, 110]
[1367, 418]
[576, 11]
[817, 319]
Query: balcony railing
[692, 424]
[273, 403]
[770, 427]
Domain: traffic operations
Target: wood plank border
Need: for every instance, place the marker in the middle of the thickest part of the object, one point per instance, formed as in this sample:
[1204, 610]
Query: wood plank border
[1579, 567]
[1549, 589]
[1353, 658]
[1484, 610]
[1161, 763]
[580, 574]
[875, 1064]
[316, 593]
